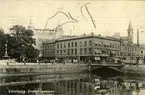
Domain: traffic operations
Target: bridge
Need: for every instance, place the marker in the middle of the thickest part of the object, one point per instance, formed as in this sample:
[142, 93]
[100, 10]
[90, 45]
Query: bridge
[116, 67]
[106, 65]
[104, 70]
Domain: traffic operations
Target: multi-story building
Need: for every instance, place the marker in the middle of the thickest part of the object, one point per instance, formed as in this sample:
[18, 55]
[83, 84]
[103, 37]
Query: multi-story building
[142, 52]
[48, 49]
[83, 48]
[130, 52]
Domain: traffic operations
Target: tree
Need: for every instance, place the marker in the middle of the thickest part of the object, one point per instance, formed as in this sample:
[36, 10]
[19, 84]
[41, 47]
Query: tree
[21, 42]
[2, 43]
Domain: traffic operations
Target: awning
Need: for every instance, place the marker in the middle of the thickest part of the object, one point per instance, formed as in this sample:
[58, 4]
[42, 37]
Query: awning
[97, 51]
[98, 43]
[113, 52]
[107, 44]
[97, 58]
[100, 51]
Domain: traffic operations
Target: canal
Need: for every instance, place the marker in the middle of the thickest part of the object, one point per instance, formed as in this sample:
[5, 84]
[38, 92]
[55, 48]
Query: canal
[72, 84]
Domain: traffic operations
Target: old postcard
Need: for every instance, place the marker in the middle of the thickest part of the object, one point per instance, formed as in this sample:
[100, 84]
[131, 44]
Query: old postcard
[72, 47]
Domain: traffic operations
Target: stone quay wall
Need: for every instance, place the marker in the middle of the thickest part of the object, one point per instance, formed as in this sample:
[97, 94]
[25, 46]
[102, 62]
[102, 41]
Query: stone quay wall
[43, 68]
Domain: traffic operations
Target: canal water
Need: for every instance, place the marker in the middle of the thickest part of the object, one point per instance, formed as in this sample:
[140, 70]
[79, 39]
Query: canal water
[72, 84]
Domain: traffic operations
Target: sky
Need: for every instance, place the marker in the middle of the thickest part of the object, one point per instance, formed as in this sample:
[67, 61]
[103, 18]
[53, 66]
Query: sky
[109, 16]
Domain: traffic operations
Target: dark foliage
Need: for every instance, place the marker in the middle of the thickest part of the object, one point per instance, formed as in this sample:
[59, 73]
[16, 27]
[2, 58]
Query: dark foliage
[20, 43]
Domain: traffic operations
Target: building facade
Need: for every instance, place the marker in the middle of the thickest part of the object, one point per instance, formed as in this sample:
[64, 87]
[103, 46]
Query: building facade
[84, 48]
[130, 52]
[142, 52]
[48, 50]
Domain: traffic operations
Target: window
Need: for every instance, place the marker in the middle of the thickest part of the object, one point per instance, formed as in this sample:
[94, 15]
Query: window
[85, 43]
[60, 52]
[104, 52]
[68, 44]
[125, 48]
[75, 44]
[80, 51]
[110, 45]
[64, 45]
[50, 47]
[68, 52]
[72, 44]
[80, 44]
[64, 51]
[58, 46]
[113, 45]
[75, 51]
[90, 50]
[85, 50]
[72, 51]
[90, 42]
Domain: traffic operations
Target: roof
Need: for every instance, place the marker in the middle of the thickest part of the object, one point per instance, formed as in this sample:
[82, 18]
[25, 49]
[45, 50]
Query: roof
[88, 36]
[130, 26]
[142, 46]
[48, 42]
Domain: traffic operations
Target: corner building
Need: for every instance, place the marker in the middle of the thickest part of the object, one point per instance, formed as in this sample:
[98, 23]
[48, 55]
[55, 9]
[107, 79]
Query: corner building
[86, 48]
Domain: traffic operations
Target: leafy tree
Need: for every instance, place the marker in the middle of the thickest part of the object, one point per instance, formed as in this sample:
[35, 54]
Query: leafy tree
[2, 43]
[21, 42]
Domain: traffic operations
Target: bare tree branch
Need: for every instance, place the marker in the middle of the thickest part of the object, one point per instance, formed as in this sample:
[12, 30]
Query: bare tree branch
[54, 16]
[90, 17]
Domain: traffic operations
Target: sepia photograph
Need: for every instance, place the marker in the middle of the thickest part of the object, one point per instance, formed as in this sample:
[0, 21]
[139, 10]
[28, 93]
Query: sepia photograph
[72, 47]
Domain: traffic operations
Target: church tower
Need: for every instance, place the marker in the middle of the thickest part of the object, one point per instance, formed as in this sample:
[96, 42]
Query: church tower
[130, 33]
[30, 26]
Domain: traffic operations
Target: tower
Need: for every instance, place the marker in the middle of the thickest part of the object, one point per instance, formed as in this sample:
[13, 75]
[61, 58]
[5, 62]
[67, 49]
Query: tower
[30, 26]
[130, 33]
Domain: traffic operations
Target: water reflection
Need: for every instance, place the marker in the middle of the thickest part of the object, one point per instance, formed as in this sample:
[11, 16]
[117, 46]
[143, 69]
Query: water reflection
[71, 84]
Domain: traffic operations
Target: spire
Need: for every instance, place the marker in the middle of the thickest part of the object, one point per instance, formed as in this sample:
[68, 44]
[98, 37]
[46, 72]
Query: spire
[130, 26]
[30, 24]
[130, 33]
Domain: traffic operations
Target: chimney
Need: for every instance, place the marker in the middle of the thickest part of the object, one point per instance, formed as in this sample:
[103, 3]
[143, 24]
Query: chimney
[138, 37]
